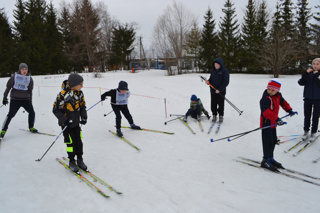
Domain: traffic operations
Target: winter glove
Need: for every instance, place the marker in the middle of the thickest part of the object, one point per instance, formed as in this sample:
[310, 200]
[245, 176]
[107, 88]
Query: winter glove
[83, 121]
[280, 122]
[291, 113]
[5, 101]
[68, 123]
[103, 97]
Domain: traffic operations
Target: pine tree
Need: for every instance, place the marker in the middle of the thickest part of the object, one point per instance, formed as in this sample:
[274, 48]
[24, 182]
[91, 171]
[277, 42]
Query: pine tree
[6, 45]
[304, 32]
[122, 41]
[249, 37]
[287, 16]
[229, 36]
[316, 32]
[208, 43]
[54, 42]
[35, 34]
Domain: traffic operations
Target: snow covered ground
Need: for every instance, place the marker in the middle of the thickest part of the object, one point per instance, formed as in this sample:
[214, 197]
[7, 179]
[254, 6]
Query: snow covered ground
[171, 173]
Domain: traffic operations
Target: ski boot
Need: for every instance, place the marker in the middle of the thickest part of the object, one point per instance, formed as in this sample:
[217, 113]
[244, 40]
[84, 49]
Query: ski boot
[33, 130]
[119, 133]
[73, 166]
[2, 133]
[214, 118]
[82, 165]
[305, 135]
[220, 119]
[133, 126]
[266, 163]
[276, 164]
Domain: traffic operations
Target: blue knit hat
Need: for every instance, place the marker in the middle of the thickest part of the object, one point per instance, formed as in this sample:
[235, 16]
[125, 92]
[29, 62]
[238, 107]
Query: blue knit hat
[194, 98]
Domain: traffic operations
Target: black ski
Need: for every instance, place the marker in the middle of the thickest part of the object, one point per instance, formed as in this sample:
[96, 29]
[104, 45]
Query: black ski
[288, 170]
[280, 172]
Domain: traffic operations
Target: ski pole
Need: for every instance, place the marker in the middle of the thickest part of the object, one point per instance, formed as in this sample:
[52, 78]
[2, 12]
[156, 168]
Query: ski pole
[52, 144]
[231, 104]
[94, 105]
[105, 115]
[2, 105]
[165, 123]
[247, 132]
[175, 115]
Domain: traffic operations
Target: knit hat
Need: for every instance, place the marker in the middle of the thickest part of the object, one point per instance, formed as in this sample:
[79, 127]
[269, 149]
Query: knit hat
[274, 84]
[123, 85]
[194, 98]
[316, 59]
[23, 65]
[75, 79]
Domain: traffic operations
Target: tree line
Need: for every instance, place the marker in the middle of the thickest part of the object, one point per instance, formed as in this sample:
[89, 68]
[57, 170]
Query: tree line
[84, 35]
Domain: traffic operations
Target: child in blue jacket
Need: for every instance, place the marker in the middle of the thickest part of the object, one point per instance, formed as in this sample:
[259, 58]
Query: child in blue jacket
[311, 93]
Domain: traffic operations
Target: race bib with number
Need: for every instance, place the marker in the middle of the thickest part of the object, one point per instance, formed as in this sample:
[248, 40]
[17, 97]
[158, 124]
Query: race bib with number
[122, 99]
[21, 82]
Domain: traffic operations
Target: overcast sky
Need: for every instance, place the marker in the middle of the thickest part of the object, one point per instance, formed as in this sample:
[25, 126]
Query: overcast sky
[146, 12]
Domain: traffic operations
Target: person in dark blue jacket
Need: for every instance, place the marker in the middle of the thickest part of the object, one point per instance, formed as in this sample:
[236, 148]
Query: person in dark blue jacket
[219, 79]
[311, 93]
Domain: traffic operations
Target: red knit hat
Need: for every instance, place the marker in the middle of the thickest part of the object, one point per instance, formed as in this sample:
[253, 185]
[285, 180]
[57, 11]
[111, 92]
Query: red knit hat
[274, 84]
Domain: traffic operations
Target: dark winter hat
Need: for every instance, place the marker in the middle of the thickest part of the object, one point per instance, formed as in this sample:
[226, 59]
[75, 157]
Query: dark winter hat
[75, 79]
[123, 85]
[274, 84]
[194, 98]
[23, 65]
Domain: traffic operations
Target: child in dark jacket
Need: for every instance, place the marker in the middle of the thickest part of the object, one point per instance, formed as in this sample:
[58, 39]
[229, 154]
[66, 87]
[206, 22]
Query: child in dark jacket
[219, 79]
[196, 108]
[270, 104]
[20, 86]
[311, 93]
[119, 103]
[70, 109]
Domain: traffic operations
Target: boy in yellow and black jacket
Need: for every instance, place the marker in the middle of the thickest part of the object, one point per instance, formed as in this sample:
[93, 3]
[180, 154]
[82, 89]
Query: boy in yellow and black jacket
[70, 109]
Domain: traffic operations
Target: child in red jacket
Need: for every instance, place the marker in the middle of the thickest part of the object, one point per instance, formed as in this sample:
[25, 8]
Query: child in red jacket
[270, 104]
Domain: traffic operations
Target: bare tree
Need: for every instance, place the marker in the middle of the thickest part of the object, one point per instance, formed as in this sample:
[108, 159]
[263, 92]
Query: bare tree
[85, 29]
[278, 53]
[107, 23]
[171, 30]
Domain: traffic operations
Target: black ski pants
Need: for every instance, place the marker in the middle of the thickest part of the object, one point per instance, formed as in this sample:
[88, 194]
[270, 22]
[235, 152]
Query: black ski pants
[269, 141]
[311, 107]
[73, 140]
[217, 104]
[125, 111]
[194, 112]
[14, 107]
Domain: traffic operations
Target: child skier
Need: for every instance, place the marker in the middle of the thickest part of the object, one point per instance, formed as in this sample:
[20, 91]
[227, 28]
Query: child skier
[70, 109]
[311, 93]
[196, 108]
[21, 86]
[119, 103]
[269, 104]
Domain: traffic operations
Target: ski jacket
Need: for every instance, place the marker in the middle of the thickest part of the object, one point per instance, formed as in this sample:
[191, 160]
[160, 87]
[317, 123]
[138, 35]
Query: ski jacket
[200, 105]
[117, 98]
[70, 105]
[311, 83]
[21, 87]
[270, 106]
[219, 78]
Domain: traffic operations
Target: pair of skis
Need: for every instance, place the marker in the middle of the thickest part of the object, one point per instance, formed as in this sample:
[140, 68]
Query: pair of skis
[303, 148]
[212, 125]
[89, 183]
[187, 125]
[142, 129]
[285, 172]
